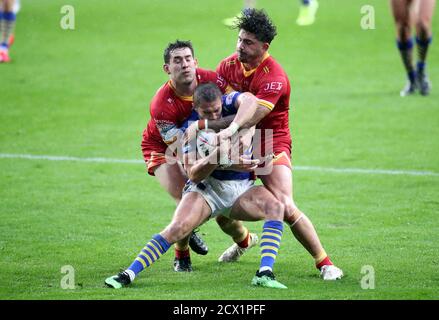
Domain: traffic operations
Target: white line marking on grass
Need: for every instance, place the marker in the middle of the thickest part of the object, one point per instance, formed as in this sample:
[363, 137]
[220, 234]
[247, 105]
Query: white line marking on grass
[65, 158]
[369, 171]
[298, 168]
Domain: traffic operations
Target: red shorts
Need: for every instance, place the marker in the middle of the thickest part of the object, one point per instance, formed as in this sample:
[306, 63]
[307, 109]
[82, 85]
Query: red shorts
[153, 154]
[280, 149]
[154, 161]
[282, 159]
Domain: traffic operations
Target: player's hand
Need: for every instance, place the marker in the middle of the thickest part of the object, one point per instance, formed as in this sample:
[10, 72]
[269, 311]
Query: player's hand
[224, 135]
[245, 165]
[191, 132]
[227, 133]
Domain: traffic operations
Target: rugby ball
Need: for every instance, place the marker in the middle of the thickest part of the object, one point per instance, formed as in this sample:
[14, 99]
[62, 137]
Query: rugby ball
[206, 142]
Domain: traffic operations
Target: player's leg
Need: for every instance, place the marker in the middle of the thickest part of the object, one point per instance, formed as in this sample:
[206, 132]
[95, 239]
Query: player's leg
[280, 183]
[173, 178]
[423, 40]
[16, 9]
[243, 239]
[307, 12]
[2, 27]
[7, 24]
[192, 211]
[260, 204]
[403, 16]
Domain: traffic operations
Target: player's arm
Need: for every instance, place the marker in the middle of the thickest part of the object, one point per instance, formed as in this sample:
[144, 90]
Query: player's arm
[249, 112]
[245, 163]
[165, 120]
[232, 101]
[215, 125]
[198, 169]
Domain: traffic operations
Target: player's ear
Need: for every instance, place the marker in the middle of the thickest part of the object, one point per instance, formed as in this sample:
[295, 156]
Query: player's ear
[265, 46]
[166, 68]
[196, 62]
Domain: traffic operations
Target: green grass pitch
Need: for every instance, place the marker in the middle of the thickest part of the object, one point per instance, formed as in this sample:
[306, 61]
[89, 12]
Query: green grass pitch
[85, 93]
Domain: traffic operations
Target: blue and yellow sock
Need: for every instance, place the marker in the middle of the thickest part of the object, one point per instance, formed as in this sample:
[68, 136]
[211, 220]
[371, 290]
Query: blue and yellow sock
[422, 46]
[270, 242]
[405, 49]
[151, 252]
[7, 27]
[1, 26]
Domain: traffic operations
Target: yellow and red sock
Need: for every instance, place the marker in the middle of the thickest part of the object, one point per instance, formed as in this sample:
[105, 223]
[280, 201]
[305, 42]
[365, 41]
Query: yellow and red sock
[322, 259]
[244, 242]
[180, 254]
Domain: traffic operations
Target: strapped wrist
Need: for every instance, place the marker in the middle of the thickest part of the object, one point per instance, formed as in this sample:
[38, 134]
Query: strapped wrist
[234, 127]
[202, 124]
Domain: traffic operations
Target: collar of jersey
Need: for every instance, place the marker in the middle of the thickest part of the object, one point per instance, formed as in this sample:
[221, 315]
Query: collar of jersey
[250, 72]
[184, 98]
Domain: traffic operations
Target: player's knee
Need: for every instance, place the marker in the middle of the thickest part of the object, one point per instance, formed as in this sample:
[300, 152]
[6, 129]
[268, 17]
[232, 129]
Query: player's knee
[404, 31]
[274, 210]
[423, 27]
[292, 214]
[287, 203]
[177, 230]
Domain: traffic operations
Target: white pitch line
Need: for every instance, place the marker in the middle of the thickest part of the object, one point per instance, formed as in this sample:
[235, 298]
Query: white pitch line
[66, 158]
[369, 171]
[298, 168]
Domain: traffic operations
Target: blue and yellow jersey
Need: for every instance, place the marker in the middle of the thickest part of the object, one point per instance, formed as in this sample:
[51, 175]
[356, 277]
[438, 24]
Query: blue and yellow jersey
[228, 108]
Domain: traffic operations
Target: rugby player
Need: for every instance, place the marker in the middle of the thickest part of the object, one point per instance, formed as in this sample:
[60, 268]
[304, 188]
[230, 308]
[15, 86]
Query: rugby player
[169, 108]
[252, 69]
[418, 13]
[216, 189]
[8, 10]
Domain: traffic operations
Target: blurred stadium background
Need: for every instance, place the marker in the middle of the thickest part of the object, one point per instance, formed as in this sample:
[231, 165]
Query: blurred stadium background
[85, 93]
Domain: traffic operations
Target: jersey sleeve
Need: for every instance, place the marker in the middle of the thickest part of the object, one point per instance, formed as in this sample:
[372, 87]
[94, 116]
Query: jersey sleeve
[270, 90]
[165, 121]
[220, 69]
[222, 75]
[229, 103]
[188, 146]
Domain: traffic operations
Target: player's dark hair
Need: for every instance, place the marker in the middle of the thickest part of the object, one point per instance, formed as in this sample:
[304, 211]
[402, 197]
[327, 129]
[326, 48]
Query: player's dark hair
[206, 92]
[257, 22]
[176, 45]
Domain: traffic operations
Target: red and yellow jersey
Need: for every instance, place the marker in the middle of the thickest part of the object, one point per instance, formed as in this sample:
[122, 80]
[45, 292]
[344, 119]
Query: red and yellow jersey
[270, 84]
[168, 111]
